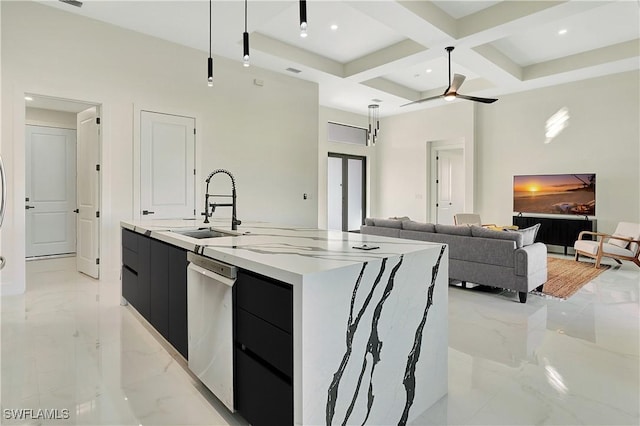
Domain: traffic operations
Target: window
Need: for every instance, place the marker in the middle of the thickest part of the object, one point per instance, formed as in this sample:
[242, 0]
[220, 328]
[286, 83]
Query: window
[346, 134]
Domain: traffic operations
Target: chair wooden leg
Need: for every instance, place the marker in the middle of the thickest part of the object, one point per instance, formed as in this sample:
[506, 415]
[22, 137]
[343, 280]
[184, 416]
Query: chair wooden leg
[637, 261]
[598, 258]
[577, 255]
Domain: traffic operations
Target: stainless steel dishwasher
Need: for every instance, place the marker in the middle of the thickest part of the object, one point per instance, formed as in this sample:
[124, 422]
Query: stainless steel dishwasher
[210, 324]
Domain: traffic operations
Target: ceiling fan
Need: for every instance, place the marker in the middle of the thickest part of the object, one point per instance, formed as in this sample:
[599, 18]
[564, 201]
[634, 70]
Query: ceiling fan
[452, 90]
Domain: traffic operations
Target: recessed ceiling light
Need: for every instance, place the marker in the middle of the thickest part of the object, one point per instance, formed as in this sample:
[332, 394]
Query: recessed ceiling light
[429, 70]
[334, 27]
[28, 98]
[562, 31]
[416, 75]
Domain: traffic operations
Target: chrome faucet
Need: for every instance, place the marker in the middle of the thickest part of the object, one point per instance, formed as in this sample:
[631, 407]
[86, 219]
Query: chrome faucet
[234, 220]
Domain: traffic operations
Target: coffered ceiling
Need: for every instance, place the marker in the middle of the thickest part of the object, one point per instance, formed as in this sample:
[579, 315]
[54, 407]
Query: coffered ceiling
[392, 50]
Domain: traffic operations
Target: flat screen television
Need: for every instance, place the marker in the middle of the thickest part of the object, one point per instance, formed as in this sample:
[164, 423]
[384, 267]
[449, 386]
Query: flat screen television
[570, 194]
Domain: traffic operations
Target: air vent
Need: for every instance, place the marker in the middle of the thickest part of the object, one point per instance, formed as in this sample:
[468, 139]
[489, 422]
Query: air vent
[376, 100]
[72, 2]
[293, 70]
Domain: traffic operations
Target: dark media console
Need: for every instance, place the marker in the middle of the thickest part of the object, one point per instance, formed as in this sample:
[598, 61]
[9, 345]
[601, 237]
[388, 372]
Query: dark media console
[556, 231]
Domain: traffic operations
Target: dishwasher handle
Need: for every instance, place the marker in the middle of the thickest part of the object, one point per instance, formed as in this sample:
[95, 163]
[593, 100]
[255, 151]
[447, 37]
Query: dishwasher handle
[212, 275]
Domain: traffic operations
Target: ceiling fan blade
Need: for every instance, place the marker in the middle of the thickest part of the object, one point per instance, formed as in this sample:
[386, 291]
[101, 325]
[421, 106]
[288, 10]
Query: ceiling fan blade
[476, 99]
[423, 100]
[457, 81]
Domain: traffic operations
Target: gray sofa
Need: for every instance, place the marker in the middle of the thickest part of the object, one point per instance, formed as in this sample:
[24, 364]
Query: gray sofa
[509, 260]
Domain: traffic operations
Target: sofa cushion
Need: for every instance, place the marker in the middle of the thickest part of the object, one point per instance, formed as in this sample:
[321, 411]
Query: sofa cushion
[380, 230]
[388, 223]
[411, 225]
[478, 231]
[619, 243]
[462, 230]
[399, 218]
[368, 221]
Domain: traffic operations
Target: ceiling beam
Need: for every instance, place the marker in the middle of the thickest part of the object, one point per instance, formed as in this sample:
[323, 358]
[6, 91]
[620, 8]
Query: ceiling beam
[604, 55]
[392, 88]
[296, 55]
[385, 60]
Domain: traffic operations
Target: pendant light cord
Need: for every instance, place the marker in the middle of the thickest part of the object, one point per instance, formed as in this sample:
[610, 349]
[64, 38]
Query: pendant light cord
[209, 28]
[245, 16]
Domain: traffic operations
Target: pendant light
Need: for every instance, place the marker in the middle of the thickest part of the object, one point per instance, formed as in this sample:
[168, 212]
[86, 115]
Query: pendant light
[210, 60]
[374, 123]
[303, 18]
[245, 39]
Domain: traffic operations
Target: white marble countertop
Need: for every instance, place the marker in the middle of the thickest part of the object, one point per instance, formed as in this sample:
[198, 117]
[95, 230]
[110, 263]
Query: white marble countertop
[285, 253]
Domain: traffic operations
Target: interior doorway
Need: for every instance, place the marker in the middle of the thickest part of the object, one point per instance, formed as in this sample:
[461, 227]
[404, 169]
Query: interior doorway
[447, 178]
[346, 191]
[71, 193]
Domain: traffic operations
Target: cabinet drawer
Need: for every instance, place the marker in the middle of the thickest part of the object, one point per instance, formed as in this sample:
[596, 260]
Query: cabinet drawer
[130, 240]
[261, 397]
[266, 299]
[130, 258]
[129, 285]
[270, 343]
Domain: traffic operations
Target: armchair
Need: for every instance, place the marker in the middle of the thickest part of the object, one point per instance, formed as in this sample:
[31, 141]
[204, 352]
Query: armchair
[469, 219]
[623, 244]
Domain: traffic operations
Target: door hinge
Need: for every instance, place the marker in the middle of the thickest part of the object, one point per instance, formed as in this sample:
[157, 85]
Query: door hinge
[97, 261]
[97, 214]
[194, 172]
[437, 205]
[97, 167]
[194, 212]
[97, 120]
[437, 181]
[194, 130]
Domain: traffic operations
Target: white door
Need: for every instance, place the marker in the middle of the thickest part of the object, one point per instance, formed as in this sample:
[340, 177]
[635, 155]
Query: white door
[167, 166]
[50, 191]
[88, 185]
[450, 184]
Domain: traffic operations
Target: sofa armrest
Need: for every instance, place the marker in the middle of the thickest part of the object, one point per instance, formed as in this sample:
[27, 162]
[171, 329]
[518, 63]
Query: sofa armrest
[530, 259]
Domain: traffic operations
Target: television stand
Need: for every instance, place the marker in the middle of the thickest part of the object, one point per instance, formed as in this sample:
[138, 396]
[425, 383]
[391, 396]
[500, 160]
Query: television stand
[556, 231]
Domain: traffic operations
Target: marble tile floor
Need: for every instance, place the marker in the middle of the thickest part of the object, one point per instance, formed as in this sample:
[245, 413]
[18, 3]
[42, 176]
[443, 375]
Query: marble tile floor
[67, 344]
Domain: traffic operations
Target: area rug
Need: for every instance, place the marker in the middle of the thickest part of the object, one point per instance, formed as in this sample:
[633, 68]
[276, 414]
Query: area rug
[565, 277]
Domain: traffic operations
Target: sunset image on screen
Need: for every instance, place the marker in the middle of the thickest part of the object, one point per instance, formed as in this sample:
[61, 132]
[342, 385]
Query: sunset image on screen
[557, 194]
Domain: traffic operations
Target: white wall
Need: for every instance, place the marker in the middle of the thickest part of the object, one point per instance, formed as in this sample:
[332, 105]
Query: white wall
[603, 137]
[266, 136]
[325, 147]
[403, 161]
[50, 118]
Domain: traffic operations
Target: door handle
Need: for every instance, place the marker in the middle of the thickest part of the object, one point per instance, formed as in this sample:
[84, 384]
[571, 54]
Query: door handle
[29, 207]
[146, 212]
[76, 211]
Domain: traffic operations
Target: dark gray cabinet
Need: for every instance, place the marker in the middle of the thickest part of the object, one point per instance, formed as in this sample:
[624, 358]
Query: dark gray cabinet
[263, 356]
[154, 281]
[556, 231]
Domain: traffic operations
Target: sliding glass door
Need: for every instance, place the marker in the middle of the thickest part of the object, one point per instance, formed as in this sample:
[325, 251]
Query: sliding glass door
[346, 193]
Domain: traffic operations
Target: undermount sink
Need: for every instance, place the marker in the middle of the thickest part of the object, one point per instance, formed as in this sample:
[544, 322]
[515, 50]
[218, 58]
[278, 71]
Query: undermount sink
[203, 233]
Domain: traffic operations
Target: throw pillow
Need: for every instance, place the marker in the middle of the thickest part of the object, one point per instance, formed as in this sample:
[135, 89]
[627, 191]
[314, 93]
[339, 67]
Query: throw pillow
[529, 234]
[619, 243]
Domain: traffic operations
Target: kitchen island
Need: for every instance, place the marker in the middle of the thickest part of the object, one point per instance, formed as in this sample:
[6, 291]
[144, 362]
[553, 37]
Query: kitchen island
[367, 329]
